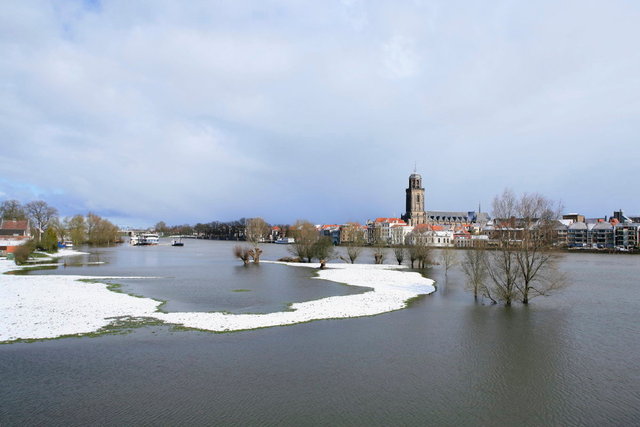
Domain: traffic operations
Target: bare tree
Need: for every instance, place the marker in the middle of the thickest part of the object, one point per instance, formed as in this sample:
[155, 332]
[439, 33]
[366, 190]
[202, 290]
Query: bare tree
[305, 235]
[523, 264]
[323, 250]
[161, 227]
[449, 258]
[243, 253]
[353, 252]
[503, 270]
[412, 251]
[536, 258]
[353, 239]
[256, 232]
[423, 253]
[12, 210]
[399, 251]
[502, 265]
[419, 250]
[378, 244]
[378, 254]
[474, 266]
[40, 213]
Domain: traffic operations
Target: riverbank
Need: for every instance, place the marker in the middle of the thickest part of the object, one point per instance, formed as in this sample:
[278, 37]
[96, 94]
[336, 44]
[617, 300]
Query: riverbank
[41, 307]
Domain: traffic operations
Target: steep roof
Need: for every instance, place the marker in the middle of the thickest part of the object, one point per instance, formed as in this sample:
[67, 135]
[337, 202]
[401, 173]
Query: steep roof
[14, 225]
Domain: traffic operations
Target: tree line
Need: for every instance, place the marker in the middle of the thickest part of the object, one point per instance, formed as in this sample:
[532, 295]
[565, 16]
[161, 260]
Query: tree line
[47, 228]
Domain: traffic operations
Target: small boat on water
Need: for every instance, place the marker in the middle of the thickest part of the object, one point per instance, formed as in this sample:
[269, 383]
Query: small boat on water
[177, 243]
[65, 244]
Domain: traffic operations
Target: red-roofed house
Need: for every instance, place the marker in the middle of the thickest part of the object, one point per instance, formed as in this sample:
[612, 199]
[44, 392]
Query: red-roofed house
[13, 234]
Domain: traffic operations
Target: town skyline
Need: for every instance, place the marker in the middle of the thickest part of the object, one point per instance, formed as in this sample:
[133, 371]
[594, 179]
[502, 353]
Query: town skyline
[413, 206]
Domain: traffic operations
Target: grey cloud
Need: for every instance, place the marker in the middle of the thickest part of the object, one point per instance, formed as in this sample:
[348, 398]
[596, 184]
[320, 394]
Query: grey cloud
[192, 113]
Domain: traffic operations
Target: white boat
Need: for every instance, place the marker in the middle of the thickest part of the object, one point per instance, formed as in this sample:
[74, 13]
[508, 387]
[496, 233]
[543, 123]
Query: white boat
[286, 241]
[144, 239]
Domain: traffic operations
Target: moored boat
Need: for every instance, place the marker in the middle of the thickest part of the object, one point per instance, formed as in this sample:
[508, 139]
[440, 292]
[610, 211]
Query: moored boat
[144, 239]
[286, 241]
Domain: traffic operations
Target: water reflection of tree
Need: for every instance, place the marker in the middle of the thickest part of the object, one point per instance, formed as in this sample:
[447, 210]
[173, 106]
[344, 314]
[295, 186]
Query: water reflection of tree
[516, 364]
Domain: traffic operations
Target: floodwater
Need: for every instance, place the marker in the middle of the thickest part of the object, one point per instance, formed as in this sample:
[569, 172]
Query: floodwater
[569, 359]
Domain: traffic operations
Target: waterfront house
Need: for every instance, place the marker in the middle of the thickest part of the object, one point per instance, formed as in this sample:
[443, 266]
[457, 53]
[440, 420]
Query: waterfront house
[13, 233]
[431, 235]
[602, 235]
[380, 229]
[330, 230]
[578, 235]
[627, 235]
[353, 232]
[399, 233]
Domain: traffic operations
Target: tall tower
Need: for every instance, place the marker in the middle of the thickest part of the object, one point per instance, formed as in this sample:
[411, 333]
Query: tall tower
[415, 213]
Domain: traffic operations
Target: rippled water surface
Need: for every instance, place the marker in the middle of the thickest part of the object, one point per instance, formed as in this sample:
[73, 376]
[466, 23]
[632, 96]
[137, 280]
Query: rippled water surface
[570, 359]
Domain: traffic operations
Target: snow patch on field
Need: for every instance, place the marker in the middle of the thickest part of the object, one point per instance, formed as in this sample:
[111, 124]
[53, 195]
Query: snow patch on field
[33, 307]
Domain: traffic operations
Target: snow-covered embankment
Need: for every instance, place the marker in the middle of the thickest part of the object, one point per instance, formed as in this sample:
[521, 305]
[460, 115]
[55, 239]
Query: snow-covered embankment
[49, 306]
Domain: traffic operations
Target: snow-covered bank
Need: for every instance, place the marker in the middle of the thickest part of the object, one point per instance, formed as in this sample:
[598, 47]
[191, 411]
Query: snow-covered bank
[63, 252]
[391, 289]
[50, 306]
[33, 307]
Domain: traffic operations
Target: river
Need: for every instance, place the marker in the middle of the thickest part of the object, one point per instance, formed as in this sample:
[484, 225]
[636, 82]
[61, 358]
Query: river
[569, 359]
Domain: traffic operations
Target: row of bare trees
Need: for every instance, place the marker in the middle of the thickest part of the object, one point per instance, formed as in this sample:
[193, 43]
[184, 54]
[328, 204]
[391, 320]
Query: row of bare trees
[522, 263]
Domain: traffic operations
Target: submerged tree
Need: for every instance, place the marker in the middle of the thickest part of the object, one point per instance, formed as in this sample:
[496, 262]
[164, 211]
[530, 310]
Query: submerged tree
[256, 231]
[536, 258]
[412, 251]
[418, 250]
[474, 266]
[378, 254]
[242, 253]
[523, 263]
[448, 258]
[378, 243]
[305, 237]
[76, 229]
[399, 251]
[352, 237]
[101, 231]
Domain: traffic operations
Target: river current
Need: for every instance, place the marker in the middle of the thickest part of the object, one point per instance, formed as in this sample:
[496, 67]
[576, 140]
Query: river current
[569, 359]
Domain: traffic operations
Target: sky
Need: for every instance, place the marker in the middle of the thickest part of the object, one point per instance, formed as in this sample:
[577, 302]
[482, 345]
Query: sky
[197, 111]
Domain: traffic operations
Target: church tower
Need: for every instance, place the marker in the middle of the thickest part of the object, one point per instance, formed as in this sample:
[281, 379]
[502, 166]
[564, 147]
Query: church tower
[415, 213]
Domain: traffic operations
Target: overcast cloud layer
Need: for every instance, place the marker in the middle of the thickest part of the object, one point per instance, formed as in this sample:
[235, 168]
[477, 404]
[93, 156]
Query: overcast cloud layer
[197, 111]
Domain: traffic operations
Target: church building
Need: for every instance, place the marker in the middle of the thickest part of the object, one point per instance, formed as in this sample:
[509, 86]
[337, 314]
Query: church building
[415, 213]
